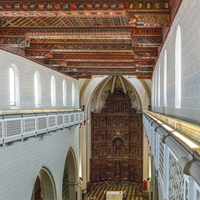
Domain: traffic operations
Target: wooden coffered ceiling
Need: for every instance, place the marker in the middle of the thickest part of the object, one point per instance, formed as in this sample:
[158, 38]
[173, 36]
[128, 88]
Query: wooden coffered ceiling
[85, 38]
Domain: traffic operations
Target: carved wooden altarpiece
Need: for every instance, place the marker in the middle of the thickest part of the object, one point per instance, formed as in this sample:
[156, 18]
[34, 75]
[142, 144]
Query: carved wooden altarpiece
[117, 141]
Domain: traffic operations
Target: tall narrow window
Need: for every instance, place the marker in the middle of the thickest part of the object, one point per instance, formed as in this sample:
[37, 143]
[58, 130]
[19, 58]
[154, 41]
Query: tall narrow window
[37, 89]
[153, 99]
[178, 69]
[156, 88]
[154, 81]
[12, 87]
[64, 93]
[165, 78]
[53, 91]
[159, 85]
[73, 95]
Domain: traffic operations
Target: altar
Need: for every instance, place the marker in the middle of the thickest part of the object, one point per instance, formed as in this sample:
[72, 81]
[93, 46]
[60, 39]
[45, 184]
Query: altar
[114, 195]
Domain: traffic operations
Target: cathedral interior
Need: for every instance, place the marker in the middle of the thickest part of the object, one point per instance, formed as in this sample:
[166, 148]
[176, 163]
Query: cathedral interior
[100, 96]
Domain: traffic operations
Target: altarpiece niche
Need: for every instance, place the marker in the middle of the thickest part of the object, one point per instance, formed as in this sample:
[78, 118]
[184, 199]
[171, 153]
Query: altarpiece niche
[117, 141]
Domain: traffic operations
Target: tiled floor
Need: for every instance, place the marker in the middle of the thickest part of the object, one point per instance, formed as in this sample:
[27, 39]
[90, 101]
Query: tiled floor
[131, 192]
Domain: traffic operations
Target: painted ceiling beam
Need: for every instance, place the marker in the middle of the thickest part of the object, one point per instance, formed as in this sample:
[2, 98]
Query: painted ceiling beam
[34, 52]
[11, 31]
[42, 53]
[41, 46]
[120, 64]
[102, 67]
[95, 57]
[20, 41]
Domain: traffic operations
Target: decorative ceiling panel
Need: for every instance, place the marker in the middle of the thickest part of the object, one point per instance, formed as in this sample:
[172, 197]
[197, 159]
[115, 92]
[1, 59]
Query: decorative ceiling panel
[88, 38]
[60, 21]
[25, 20]
[80, 40]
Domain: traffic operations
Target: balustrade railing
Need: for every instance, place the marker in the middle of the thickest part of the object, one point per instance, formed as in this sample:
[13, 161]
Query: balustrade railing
[190, 130]
[175, 161]
[18, 127]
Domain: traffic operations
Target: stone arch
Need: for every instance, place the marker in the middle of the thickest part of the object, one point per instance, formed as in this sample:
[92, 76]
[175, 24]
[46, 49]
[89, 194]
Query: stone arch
[142, 92]
[140, 87]
[95, 87]
[89, 91]
[44, 187]
[70, 176]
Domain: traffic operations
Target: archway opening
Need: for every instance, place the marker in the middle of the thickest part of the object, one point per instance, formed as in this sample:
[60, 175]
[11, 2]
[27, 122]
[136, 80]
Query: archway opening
[69, 177]
[112, 151]
[44, 188]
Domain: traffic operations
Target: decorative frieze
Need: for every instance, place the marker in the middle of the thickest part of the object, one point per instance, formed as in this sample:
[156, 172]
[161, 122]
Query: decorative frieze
[65, 6]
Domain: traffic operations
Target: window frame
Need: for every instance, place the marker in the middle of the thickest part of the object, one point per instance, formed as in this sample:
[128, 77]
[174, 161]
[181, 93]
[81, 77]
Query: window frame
[14, 86]
[64, 84]
[53, 91]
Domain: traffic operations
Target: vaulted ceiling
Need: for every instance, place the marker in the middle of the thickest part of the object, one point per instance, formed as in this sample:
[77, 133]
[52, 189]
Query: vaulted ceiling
[86, 38]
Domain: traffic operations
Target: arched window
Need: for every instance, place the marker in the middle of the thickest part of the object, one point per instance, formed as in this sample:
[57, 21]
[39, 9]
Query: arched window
[178, 69]
[153, 88]
[156, 88]
[37, 89]
[64, 93]
[53, 91]
[73, 94]
[159, 85]
[12, 85]
[165, 78]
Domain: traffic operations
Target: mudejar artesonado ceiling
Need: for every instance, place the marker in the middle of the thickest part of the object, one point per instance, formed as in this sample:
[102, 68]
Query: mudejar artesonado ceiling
[85, 38]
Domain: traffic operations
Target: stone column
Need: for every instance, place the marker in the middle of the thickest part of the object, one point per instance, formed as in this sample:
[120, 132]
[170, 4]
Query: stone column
[145, 157]
[83, 159]
[72, 191]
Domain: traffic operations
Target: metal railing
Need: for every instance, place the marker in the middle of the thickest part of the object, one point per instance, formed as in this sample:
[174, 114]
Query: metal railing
[18, 127]
[176, 164]
[190, 130]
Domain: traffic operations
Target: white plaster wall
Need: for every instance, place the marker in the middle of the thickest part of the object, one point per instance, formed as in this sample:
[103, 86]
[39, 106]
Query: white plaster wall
[26, 69]
[21, 163]
[142, 93]
[188, 17]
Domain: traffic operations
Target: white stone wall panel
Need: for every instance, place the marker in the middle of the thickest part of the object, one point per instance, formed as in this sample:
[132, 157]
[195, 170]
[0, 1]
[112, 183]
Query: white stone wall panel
[21, 162]
[188, 17]
[26, 69]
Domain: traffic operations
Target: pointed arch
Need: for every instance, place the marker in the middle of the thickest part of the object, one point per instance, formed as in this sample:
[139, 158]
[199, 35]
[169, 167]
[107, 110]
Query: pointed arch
[70, 176]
